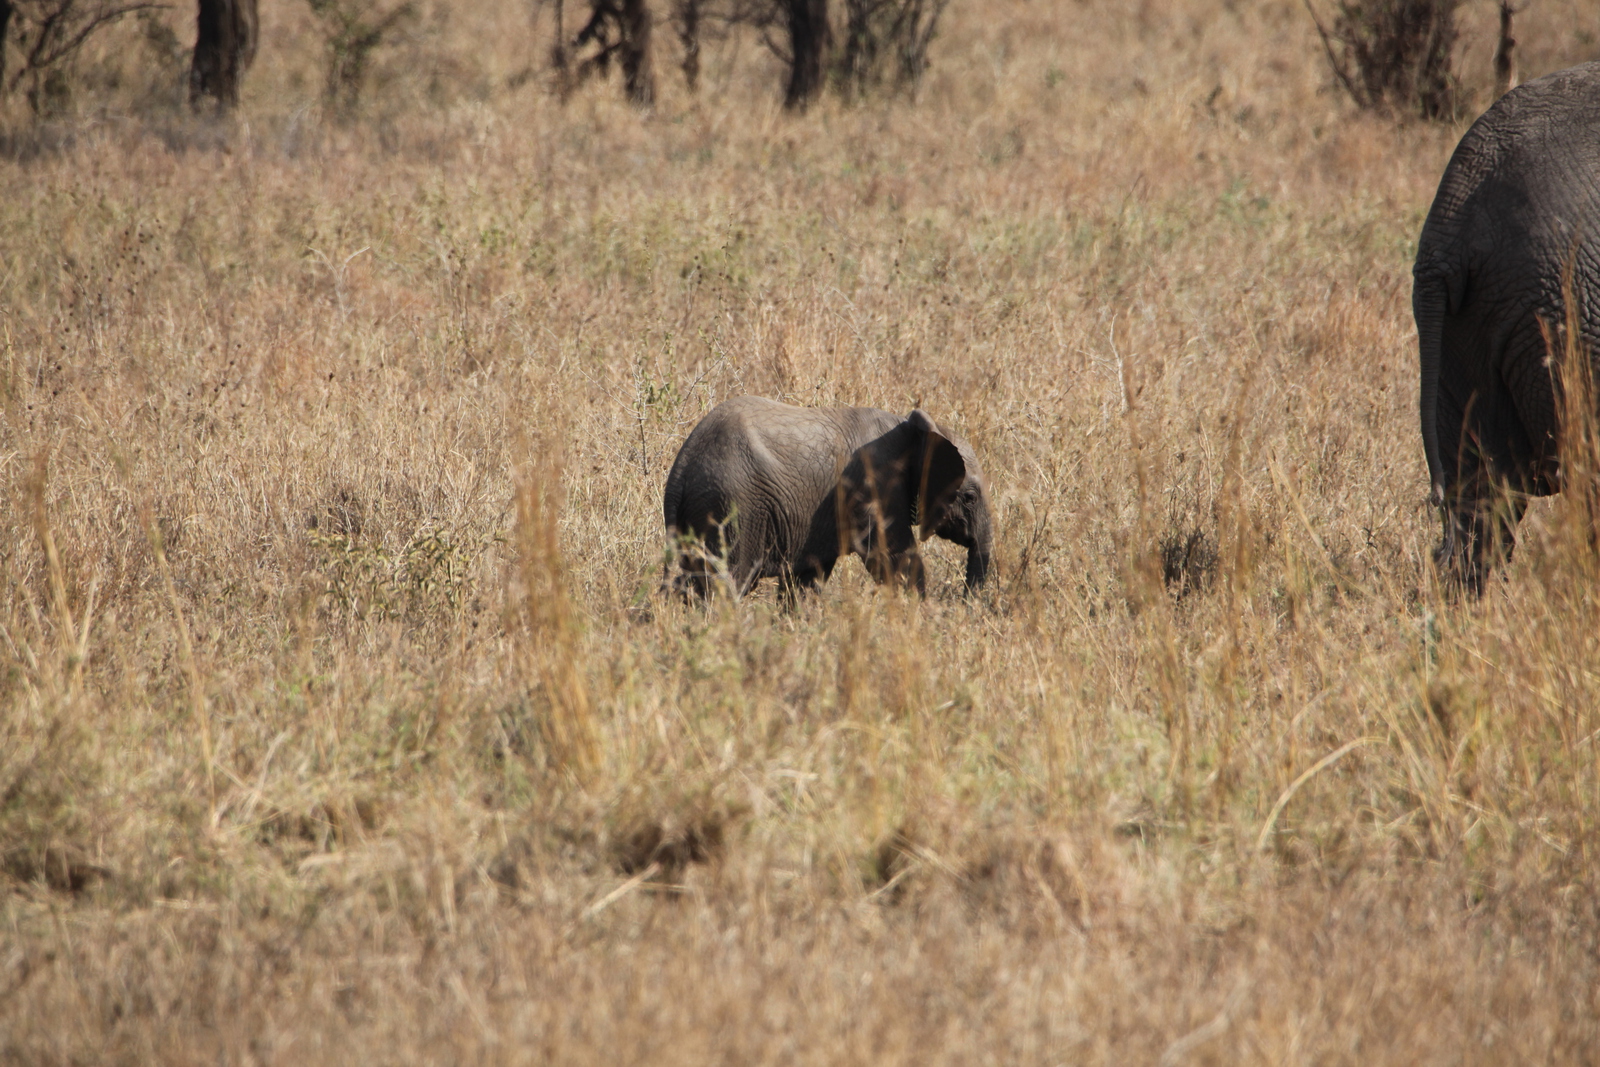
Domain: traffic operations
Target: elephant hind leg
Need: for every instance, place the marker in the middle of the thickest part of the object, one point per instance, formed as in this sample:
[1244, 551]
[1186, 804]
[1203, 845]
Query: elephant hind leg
[701, 561]
[1480, 534]
[693, 581]
[904, 569]
[1487, 485]
[724, 552]
[790, 586]
[912, 572]
[805, 578]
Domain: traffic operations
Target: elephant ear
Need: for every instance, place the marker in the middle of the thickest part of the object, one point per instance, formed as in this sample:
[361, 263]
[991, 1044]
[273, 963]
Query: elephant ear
[940, 470]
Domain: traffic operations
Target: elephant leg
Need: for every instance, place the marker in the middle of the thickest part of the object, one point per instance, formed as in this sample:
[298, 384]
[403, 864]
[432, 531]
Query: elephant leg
[693, 578]
[694, 585]
[790, 586]
[805, 578]
[1507, 455]
[902, 568]
[1480, 538]
[880, 565]
[913, 572]
[1481, 508]
[719, 554]
[709, 558]
[1480, 525]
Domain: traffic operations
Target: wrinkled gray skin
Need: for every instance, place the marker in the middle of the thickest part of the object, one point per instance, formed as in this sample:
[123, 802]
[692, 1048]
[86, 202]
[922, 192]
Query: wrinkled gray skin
[1519, 202]
[795, 488]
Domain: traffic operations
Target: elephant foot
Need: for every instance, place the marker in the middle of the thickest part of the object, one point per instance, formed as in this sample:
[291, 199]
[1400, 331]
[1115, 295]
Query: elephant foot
[903, 571]
[693, 586]
[1459, 572]
[1475, 543]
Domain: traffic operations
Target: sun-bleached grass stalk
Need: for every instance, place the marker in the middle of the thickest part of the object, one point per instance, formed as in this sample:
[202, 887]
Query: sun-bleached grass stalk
[1578, 445]
[550, 646]
[1574, 583]
[73, 637]
[199, 710]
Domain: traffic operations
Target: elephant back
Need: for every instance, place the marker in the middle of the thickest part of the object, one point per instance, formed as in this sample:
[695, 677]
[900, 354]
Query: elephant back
[1523, 183]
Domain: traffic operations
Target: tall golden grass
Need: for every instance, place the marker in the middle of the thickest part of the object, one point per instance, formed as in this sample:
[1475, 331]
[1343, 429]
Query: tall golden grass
[339, 718]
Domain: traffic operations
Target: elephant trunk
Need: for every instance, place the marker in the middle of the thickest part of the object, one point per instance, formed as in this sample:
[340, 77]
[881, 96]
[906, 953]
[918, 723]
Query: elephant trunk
[979, 554]
[977, 568]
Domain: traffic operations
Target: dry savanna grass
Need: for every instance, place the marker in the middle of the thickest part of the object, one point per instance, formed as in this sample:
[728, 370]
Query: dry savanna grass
[339, 719]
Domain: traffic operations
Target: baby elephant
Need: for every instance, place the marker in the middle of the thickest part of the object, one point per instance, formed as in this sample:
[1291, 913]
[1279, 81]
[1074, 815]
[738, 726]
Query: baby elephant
[782, 492]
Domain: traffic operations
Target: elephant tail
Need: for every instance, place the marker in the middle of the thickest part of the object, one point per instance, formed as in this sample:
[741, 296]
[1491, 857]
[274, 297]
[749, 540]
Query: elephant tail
[676, 525]
[1429, 300]
[672, 502]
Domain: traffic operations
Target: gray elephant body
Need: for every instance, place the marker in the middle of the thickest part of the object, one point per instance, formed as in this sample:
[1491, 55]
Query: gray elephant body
[782, 492]
[1518, 206]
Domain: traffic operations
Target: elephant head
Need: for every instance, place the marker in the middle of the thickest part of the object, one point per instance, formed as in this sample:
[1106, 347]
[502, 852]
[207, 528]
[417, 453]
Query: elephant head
[911, 483]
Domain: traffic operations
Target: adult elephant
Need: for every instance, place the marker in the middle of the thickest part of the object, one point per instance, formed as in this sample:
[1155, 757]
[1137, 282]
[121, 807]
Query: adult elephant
[778, 491]
[1517, 216]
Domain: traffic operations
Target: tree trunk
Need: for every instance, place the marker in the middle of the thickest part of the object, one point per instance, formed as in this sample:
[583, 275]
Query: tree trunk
[641, 83]
[860, 47]
[689, 34]
[808, 44]
[560, 55]
[5, 23]
[1505, 58]
[225, 43]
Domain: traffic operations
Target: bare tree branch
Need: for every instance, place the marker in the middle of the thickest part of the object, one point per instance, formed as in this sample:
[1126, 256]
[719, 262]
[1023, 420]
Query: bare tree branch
[49, 31]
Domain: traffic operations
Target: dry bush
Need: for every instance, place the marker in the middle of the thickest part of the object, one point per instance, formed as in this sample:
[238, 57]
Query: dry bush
[338, 712]
[619, 29]
[1395, 54]
[48, 34]
[886, 40]
[352, 30]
